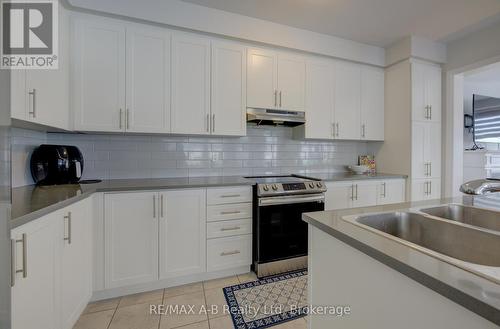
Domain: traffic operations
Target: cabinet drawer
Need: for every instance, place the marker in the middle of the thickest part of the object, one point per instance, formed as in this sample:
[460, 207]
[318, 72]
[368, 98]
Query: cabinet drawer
[229, 228]
[229, 252]
[229, 211]
[229, 195]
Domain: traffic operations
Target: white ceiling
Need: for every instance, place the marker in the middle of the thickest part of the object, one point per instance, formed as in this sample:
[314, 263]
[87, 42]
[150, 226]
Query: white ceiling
[375, 22]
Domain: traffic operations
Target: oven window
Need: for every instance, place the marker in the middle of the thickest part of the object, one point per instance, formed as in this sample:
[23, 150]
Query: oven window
[281, 231]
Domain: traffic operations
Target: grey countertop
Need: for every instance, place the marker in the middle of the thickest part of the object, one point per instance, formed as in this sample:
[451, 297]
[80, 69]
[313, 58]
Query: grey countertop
[32, 202]
[349, 176]
[475, 287]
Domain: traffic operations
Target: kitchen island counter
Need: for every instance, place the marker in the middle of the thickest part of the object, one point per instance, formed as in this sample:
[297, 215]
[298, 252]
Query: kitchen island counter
[471, 286]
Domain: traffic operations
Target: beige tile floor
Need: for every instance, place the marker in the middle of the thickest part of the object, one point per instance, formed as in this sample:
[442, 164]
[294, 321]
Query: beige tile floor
[133, 311]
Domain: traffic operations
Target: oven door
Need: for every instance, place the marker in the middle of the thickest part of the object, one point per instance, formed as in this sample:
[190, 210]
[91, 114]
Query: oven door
[281, 232]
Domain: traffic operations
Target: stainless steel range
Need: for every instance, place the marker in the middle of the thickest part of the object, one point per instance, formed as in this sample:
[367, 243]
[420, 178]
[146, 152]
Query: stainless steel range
[280, 235]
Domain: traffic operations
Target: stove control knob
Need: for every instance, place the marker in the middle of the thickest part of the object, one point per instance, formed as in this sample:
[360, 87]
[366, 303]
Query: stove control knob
[275, 187]
[319, 185]
[311, 185]
[265, 187]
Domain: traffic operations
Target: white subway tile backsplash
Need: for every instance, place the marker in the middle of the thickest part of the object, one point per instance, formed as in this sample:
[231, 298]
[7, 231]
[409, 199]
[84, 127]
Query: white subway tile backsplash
[264, 151]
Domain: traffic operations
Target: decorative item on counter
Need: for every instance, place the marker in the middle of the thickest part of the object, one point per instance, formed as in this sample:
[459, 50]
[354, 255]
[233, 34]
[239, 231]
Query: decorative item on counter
[359, 170]
[369, 161]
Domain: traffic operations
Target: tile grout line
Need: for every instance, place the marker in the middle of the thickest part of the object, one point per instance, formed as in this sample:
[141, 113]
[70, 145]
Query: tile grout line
[205, 299]
[163, 303]
[116, 309]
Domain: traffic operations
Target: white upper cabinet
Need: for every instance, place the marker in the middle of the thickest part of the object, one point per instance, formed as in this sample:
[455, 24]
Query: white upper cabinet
[131, 238]
[319, 98]
[320, 87]
[291, 82]
[182, 232]
[228, 101]
[99, 65]
[42, 96]
[426, 92]
[262, 79]
[347, 100]
[372, 103]
[275, 80]
[148, 80]
[190, 84]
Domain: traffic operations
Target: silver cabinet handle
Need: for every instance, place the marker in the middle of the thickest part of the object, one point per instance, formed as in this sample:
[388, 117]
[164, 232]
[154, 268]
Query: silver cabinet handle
[363, 130]
[352, 192]
[24, 243]
[427, 188]
[208, 122]
[430, 168]
[32, 93]
[213, 122]
[338, 130]
[68, 217]
[430, 112]
[230, 228]
[383, 193]
[356, 191]
[154, 206]
[333, 129]
[228, 253]
[275, 98]
[230, 195]
[280, 98]
[120, 119]
[430, 188]
[161, 205]
[127, 119]
[230, 212]
[12, 262]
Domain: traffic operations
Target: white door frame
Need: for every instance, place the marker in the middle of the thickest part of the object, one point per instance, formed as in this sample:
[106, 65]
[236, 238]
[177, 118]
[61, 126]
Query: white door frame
[453, 125]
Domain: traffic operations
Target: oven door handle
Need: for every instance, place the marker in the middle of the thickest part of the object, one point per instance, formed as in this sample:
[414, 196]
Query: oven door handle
[276, 200]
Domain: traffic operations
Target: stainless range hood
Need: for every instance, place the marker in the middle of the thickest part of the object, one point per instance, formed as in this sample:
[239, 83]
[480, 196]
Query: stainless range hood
[275, 117]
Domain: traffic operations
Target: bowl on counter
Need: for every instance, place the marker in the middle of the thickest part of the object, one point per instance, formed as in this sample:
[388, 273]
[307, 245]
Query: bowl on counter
[358, 170]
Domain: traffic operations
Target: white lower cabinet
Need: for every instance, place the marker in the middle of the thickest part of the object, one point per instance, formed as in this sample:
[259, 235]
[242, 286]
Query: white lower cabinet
[229, 252]
[338, 195]
[52, 265]
[34, 294]
[364, 193]
[182, 232]
[391, 191]
[131, 238]
[76, 280]
[359, 193]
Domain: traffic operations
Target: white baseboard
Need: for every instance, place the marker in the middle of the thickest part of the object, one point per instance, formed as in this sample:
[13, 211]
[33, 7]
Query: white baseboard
[160, 284]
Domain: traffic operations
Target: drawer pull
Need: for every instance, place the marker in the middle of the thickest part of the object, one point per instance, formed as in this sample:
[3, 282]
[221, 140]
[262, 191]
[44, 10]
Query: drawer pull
[230, 228]
[230, 195]
[230, 212]
[229, 253]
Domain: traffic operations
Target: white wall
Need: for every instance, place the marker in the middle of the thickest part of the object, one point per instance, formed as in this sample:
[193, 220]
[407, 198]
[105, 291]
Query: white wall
[467, 53]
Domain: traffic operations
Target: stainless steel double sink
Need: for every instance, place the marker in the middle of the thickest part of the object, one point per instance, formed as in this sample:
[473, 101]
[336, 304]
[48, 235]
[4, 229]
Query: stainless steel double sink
[466, 233]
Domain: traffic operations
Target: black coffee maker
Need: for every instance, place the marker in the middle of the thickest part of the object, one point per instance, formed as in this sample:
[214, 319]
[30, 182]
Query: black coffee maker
[56, 164]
